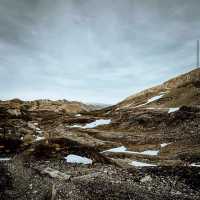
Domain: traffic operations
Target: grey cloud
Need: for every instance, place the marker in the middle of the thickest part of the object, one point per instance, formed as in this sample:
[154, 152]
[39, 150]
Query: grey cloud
[94, 51]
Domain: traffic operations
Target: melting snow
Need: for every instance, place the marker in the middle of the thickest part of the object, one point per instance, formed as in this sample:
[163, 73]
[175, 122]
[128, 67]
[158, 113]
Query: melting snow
[98, 123]
[141, 164]
[171, 110]
[93, 124]
[76, 126]
[78, 159]
[78, 115]
[150, 152]
[155, 98]
[151, 100]
[195, 165]
[39, 138]
[123, 149]
[4, 159]
[164, 144]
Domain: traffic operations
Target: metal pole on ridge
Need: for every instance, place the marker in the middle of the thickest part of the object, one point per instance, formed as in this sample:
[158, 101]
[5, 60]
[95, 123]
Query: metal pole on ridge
[197, 53]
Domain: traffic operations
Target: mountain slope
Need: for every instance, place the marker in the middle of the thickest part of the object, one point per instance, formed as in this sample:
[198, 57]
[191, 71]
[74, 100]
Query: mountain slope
[176, 92]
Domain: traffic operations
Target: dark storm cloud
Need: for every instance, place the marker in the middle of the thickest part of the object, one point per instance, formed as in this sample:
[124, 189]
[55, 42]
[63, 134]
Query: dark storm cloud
[94, 51]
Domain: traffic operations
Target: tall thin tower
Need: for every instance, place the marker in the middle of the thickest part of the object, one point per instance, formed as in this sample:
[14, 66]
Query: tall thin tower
[197, 53]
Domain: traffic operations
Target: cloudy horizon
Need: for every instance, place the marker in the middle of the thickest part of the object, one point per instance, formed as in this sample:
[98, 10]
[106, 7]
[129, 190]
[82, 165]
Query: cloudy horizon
[94, 51]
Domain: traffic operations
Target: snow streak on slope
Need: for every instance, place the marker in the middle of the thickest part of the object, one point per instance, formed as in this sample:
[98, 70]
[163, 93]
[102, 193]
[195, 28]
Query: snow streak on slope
[152, 99]
[171, 110]
[123, 149]
[93, 124]
[141, 164]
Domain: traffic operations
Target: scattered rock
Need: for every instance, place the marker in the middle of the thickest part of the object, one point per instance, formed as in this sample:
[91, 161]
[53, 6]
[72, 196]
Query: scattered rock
[55, 174]
[146, 179]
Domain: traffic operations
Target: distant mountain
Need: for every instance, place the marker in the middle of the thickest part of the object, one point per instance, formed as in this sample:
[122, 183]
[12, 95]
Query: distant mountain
[15, 105]
[179, 91]
[97, 106]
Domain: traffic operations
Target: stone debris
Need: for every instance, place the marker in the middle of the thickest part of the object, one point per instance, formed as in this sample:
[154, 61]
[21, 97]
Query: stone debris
[55, 174]
[146, 179]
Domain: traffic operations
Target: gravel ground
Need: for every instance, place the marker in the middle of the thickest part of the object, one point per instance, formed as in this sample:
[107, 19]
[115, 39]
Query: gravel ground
[97, 182]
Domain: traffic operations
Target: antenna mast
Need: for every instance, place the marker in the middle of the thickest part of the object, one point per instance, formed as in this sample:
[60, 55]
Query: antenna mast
[197, 53]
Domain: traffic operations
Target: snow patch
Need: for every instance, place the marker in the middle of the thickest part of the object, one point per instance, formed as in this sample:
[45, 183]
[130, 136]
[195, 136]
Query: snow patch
[155, 98]
[123, 149]
[76, 126]
[98, 123]
[195, 165]
[93, 124]
[38, 138]
[78, 115]
[164, 144]
[150, 152]
[5, 159]
[151, 100]
[141, 164]
[171, 110]
[78, 159]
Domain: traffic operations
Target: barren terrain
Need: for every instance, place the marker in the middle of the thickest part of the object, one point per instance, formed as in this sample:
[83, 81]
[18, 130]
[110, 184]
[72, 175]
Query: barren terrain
[145, 147]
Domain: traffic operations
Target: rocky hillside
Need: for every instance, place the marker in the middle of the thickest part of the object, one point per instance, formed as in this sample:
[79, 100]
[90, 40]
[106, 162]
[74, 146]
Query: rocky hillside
[15, 105]
[146, 147]
[176, 92]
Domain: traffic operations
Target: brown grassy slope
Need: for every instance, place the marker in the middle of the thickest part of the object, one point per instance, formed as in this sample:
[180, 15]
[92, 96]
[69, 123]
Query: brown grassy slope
[179, 91]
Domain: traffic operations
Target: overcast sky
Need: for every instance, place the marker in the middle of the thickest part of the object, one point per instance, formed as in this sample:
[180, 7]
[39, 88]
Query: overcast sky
[94, 50]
